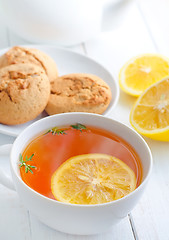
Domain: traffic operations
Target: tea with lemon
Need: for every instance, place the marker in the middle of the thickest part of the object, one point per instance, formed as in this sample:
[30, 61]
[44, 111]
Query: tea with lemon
[80, 165]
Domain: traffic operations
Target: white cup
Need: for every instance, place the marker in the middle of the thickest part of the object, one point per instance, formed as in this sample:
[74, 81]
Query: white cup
[71, 218]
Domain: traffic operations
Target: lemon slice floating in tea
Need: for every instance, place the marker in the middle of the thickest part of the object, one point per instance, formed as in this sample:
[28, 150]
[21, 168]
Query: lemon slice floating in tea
[92, 179]
[150, 114]
[141, 72]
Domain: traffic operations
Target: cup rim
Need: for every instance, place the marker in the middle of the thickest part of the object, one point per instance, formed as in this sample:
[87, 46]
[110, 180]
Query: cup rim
[33, 125]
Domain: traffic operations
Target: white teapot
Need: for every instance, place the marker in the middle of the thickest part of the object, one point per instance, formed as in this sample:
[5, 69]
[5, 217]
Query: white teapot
[62, 22]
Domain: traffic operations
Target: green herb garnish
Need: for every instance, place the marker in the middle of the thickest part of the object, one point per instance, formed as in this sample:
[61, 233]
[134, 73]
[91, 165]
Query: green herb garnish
[57, 131]
[79, 126]
[23, 163]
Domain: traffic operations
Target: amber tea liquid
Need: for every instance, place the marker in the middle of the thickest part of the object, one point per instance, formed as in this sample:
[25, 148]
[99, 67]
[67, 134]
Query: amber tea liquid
[50, 151]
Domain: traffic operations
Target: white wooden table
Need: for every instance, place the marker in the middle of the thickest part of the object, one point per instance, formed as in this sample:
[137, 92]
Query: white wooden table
[135, 27]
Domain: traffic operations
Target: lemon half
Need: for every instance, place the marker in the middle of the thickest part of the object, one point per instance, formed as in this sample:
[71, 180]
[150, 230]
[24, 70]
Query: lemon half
[150, 114]
[142, 71]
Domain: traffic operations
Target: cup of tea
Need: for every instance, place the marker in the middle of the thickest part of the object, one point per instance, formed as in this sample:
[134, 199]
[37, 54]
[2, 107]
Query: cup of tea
[78, 173]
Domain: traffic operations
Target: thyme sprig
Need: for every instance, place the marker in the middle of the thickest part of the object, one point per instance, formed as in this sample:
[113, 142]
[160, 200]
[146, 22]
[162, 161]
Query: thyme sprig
[79, 126]
[57, 131]
[24, 163]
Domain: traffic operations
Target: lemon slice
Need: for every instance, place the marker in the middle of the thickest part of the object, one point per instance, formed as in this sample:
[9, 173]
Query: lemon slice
[92, 179]
[150, 114]
[141, 72]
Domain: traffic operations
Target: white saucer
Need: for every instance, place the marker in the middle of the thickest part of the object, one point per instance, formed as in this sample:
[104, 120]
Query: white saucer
[69, 62]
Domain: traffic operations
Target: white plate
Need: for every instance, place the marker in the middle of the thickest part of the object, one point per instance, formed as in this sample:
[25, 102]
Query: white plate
[68, 62]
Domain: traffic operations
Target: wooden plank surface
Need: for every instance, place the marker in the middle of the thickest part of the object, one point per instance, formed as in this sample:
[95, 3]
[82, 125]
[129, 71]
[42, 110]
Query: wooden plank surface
[139, 31]
[155, 16]
[40, 231]
[153, 223]
[150, 217]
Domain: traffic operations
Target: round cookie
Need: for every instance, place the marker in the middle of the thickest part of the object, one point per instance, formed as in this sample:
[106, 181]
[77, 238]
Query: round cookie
[24, 93]
[30, 55]
[78, 93]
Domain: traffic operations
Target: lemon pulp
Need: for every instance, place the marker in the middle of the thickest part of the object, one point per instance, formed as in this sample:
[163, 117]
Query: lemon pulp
[141, 72]
[92, 179]
[150, 114]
